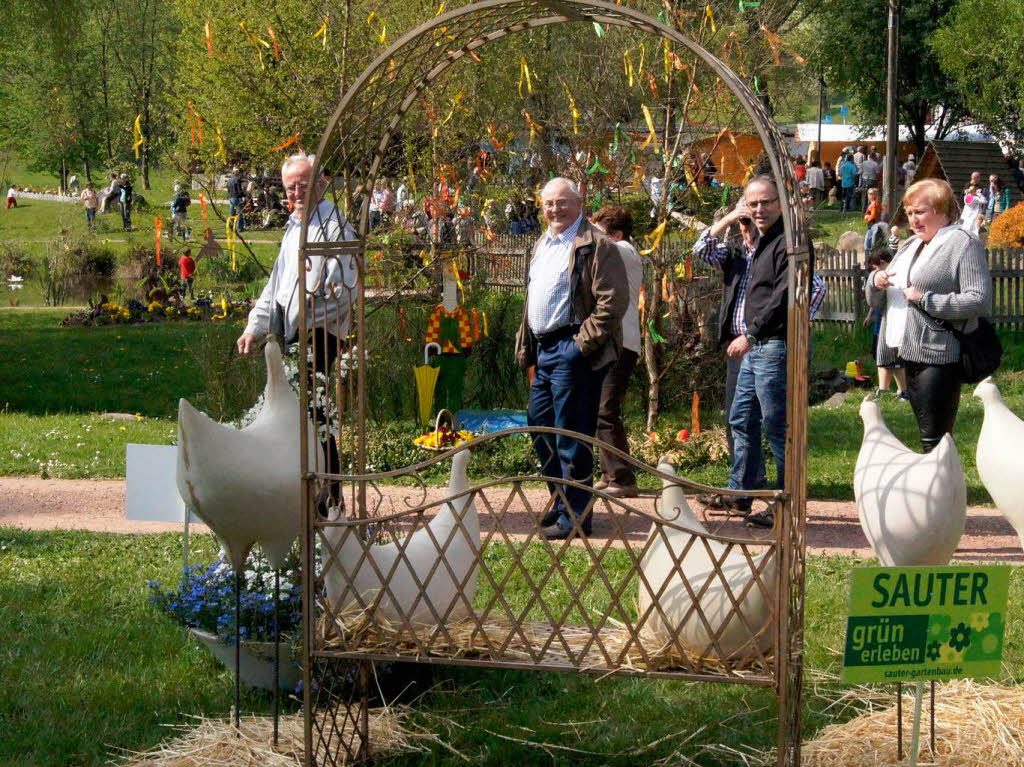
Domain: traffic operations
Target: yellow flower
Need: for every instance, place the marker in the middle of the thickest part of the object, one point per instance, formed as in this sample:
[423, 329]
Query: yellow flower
[979, 621]
[138, 416]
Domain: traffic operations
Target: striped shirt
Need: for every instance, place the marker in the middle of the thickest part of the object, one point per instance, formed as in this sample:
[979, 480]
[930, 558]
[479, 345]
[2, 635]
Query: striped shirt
[715, 250]
[548, 307]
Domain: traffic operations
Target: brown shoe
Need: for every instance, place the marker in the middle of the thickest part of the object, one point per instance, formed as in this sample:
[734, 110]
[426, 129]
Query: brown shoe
[622, 491]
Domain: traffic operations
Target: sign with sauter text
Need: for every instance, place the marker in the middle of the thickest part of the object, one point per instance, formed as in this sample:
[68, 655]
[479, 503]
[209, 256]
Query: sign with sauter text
[917, 623]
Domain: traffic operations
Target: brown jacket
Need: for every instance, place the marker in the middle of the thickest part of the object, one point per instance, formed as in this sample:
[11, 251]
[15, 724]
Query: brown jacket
[599, 292]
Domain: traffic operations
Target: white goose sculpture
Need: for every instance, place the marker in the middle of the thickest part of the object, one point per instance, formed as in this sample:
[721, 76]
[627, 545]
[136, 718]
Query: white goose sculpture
[999, 455]
[350, 573]
[245, 483]
[912, 506]
[657, 565]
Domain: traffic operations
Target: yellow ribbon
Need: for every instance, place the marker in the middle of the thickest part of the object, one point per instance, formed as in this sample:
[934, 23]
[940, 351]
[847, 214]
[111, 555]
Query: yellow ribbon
[382, 32]
[574, 110]
[534, 127]
[524, 76]
[643, 55]
[710, 17]
[230, 225]
[484, 315]
[257, 42]
[137, 133]
[627, 63]
[655, 238]
[221, 151]
[208, 28]
[652, 134]
[322, 32]
[458, 279]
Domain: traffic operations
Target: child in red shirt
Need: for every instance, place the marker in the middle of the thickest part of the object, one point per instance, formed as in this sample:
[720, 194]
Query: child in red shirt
[188, 273]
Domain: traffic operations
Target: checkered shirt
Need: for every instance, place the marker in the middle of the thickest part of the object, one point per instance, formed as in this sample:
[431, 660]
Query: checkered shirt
[548, 306]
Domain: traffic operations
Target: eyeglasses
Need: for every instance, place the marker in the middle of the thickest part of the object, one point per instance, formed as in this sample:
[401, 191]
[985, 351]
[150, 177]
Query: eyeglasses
[297, 187]
[761, 203]
[556, 203]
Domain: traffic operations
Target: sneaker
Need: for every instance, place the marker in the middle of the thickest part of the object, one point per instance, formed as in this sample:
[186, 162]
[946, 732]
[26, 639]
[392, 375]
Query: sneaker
[903, 396]
[760, 518]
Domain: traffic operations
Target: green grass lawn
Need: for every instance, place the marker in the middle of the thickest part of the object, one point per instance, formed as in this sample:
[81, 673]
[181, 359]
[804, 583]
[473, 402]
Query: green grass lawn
[90, 667]
[55, 382]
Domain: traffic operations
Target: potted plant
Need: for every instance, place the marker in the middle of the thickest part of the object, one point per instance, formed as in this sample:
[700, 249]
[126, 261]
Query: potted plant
[204, 602]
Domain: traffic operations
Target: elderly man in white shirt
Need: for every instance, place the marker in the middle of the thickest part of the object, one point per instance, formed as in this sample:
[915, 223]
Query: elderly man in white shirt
[571, 332]
[328, 282]
[329, 286]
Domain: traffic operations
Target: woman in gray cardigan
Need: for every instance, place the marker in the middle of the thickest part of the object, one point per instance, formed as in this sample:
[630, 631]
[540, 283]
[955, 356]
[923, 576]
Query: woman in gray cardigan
[939, 274]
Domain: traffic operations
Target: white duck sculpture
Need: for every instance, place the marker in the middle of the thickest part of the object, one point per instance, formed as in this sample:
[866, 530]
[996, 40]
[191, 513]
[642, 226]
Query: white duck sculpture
[657, 565]
[998, 456]
[351, 574]
[912, 506]
[245, 483]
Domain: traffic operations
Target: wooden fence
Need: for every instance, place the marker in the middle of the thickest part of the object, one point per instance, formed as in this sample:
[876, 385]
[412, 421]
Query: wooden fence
[504, 258]
[844, 275]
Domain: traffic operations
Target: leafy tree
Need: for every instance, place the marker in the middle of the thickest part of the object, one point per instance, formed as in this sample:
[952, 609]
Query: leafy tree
[849, 42]
[980, 48]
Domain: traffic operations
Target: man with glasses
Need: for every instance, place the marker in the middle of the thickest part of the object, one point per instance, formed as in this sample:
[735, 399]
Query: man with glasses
[571, 332]
[753, 321]
[277, 309]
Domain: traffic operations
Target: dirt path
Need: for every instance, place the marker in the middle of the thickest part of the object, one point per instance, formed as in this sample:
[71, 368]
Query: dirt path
[832, 526]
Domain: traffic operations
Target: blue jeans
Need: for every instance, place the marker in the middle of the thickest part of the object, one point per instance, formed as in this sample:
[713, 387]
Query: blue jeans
[237, 205]
[849, 198]
[760, 399]
[565, 393]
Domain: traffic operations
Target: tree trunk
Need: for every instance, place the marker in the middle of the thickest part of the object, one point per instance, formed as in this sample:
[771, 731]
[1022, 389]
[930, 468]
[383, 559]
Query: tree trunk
[106, 95]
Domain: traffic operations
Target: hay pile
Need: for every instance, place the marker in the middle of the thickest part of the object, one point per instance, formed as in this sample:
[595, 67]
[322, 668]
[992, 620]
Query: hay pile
[976, 725]
[215, 743]
[532, 642]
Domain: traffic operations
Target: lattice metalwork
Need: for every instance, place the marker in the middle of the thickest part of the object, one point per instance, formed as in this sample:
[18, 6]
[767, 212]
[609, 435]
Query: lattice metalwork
[368, 594]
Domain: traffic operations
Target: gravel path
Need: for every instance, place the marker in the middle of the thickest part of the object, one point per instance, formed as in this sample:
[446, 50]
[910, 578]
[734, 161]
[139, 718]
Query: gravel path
[832, 526]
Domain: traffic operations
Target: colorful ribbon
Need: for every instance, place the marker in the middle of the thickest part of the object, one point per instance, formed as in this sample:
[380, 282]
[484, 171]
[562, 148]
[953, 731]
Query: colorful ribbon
[137, 134]
[158, 227]
[524, 76]
[655, 238]
[208, 28]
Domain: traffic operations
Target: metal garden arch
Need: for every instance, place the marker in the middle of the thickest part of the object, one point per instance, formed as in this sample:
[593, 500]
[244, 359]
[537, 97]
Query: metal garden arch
[335, 703]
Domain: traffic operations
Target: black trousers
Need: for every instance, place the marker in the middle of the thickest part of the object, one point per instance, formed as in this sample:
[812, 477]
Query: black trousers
[935, 397]
[609, 419]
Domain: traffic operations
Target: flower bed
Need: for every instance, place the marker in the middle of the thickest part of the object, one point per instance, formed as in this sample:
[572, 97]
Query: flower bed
[205, 600]
[136, 312]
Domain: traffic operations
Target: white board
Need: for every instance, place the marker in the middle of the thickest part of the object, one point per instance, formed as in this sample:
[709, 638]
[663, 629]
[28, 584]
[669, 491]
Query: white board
[151, 492]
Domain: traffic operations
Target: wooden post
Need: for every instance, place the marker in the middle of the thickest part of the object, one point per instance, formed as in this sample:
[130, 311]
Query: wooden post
[892, 136]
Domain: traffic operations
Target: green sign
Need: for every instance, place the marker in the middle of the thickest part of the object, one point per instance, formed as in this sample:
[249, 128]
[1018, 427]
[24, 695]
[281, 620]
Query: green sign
[916, 623]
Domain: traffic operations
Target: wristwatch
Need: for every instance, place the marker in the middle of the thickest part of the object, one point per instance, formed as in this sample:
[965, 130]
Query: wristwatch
[751, 339]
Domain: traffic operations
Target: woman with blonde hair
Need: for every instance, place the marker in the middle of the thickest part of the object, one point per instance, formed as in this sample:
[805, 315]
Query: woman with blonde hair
[939, 279]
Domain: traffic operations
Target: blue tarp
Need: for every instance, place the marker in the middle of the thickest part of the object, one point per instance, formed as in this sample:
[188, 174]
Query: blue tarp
[486, 421]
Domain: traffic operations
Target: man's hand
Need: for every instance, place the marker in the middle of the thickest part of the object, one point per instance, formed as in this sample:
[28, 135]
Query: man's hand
[246, 343]
[738, 348]
[738, 214]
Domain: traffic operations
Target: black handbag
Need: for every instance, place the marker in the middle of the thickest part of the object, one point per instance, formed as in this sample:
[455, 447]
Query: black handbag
[980, 350]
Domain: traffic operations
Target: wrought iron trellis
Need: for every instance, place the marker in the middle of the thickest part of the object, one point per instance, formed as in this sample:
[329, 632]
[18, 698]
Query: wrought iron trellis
[343, 621]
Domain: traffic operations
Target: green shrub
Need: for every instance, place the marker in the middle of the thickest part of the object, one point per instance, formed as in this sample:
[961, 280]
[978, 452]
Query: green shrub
[218, 270]
[229, 383]
[75, 267]
[14, 260]
[138, 275]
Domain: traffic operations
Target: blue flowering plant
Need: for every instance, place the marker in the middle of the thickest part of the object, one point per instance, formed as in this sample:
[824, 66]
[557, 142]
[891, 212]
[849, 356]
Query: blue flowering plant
[205, 600]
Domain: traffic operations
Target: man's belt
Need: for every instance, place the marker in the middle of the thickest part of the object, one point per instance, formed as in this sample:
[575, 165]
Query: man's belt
[557, 334]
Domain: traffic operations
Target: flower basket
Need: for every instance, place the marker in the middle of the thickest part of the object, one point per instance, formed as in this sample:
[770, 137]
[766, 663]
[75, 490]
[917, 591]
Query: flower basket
[257, 661]
[444, 436]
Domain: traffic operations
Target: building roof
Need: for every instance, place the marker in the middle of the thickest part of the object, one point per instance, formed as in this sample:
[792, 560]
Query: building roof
[859, 134]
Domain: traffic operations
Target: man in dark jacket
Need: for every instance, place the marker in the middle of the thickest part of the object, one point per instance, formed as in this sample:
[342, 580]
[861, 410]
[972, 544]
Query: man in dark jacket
[236, 198]
[571, 332]
[753, 321]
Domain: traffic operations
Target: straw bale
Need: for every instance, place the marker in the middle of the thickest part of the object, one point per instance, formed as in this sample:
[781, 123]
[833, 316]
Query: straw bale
[529, 641]
[216, 743]
[976, 725]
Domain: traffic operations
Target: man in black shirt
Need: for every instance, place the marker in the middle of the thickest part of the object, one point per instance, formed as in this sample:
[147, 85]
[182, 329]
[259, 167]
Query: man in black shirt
[236, 197]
